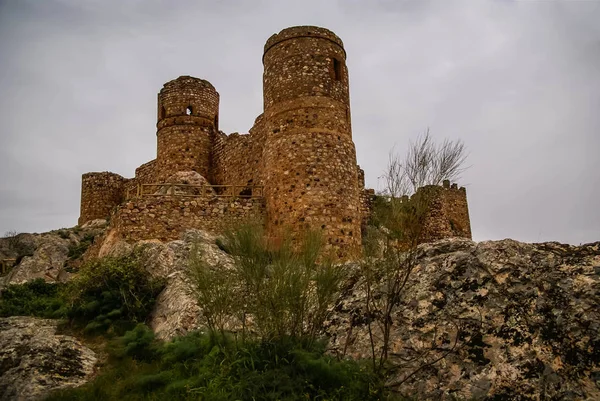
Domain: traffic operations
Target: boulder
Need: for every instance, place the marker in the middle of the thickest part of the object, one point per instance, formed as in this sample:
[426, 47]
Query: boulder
[44, 255]
[35, 360]
[499, 320]
[200, 185]
[176, 311]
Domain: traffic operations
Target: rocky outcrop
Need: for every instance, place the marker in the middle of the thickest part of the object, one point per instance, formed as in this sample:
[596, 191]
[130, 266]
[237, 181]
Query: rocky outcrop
[34, 360]
[492, 320]
[191, 183]
[498, 320]
[176, 311]
[46, 255]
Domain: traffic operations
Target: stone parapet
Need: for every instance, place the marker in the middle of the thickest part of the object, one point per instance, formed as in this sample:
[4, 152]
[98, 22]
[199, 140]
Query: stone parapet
[447, 213]
[166, 217]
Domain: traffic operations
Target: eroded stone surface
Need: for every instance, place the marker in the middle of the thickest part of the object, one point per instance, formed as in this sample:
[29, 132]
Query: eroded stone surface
[504, 320]
[34, 360]
[48, 253]
[496, 320]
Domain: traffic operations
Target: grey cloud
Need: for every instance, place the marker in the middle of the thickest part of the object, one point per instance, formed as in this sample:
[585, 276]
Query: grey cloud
[517, 81]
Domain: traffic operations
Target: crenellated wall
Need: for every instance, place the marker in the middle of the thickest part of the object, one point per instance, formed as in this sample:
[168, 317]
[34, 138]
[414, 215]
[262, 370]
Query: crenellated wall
[100, 193]
[299, 155]
[448, 212]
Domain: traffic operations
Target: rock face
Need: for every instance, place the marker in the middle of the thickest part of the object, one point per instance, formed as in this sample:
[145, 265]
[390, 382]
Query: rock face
[498, 320]
[34, 360]
[44, 255]
[176, 311]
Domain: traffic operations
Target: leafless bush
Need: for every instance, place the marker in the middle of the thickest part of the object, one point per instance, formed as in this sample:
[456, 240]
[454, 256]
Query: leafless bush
[391, 252]
[425, 163]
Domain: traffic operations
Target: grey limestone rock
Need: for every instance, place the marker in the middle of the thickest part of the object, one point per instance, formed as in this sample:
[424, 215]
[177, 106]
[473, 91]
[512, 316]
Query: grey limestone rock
[35, 360]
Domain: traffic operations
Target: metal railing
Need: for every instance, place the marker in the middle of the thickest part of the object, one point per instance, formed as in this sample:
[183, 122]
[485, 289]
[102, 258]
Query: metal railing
[189, 190]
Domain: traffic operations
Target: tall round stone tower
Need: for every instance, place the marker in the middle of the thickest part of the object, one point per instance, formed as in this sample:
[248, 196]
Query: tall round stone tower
[311, 176]
[188, 112]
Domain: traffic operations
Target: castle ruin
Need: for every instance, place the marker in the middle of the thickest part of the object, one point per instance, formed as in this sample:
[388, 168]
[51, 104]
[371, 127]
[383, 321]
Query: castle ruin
[295, 170]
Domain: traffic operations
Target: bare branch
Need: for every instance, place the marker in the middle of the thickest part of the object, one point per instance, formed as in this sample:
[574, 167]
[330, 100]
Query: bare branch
[425, 163]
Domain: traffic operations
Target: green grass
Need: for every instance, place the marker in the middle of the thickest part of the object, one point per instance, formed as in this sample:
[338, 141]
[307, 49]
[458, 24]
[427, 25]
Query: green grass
[35, 298]
[203, 367]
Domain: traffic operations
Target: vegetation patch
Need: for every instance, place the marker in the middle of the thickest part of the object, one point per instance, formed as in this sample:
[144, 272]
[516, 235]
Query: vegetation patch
[35, 298]
[200, 367]
[77, 250]
[111, 293]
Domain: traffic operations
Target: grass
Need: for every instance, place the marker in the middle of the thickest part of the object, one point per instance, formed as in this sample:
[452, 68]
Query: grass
[35, 298]
[201, 367]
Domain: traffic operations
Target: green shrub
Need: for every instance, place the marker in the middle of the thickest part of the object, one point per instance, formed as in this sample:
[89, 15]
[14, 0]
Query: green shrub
[35, 298]
[287, 290]
[196, 367]
[76, 251]
[110, 292]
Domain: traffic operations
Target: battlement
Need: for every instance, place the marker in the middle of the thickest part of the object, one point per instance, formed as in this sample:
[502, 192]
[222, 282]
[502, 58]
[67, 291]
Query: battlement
[448, 212]
[188, 97]
[303, 32]
[296, 169]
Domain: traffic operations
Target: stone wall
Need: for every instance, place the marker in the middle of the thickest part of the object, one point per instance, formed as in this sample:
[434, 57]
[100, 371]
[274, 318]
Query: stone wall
[237, 159]
[304, 61]
[448, 212]
[100, 193]
[366, 206]
[144, 174]
[310, 174]
[188, 110]
[166, 217]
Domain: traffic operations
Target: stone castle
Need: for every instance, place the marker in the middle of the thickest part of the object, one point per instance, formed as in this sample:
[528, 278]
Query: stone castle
[295, 170]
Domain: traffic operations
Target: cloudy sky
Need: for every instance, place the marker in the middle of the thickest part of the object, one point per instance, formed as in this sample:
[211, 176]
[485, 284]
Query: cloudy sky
[517, 81]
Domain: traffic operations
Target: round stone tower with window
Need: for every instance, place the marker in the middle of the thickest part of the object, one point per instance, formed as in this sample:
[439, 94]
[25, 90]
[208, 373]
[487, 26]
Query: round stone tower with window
[311, 176]
[188, 112]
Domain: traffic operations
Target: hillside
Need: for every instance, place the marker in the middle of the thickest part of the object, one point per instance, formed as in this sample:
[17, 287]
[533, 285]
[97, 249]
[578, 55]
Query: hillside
[495, 320]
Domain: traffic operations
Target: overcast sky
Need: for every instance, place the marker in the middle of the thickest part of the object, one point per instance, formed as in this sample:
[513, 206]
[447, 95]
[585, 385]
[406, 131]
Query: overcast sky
[517, 81]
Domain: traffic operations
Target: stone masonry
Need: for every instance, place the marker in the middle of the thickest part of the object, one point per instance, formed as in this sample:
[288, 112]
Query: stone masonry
[295, 170]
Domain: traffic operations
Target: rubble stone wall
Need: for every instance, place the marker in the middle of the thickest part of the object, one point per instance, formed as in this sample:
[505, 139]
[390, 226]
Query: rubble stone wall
[366, 205]
[310, 171]
[237, 158]
[100, 193]
[166, 217]
[448, 212]
[188, 110]
[144, 174]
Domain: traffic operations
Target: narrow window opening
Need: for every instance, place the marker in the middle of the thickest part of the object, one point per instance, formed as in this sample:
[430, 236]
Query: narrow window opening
[162, 113]
[337, 69]
[189, 111]
[217, 123]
